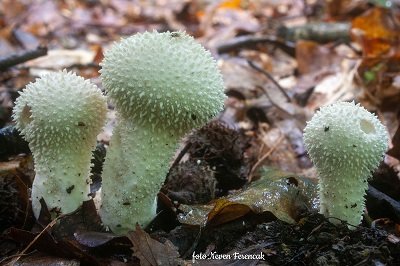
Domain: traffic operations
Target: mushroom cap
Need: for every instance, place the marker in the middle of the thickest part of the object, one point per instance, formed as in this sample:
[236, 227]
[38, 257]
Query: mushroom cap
[167, 81]
[345, 135]
[60, 109]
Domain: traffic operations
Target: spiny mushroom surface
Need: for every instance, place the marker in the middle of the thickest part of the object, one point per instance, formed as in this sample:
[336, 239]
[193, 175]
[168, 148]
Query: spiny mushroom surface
[60, 115]
[162, 85]
[346, 143]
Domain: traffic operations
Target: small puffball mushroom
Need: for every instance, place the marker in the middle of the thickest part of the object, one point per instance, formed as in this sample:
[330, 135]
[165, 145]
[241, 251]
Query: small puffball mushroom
[162, 85]
[346, 143]
[60, 115]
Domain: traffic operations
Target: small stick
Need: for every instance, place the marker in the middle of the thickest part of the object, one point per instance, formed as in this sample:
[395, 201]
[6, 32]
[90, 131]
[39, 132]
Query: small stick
[180, 156]
[16, 59]
[273, 102]
[248, 41]
[263, 158]
[23, 252]
[259, 69]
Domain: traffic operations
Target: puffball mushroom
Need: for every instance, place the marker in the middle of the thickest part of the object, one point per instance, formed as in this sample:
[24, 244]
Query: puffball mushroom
[60, 115]
[346, 143]
[162, 85]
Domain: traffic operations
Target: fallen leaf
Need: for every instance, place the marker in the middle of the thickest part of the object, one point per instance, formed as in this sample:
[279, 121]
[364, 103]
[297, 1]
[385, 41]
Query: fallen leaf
[314, 57]
[45, 260]
[45, 242]
[85, 218]
[395, 150]
[150, 251]
[59, 59]
[234, 4]
[342, 9]
[105, 245]
[225, 211]
[376, 31]
[283, 194]
[94, 239]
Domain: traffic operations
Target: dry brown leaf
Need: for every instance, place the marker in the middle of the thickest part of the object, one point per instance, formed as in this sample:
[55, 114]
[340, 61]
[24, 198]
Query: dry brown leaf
[313, 57]
[344, 8]
[394, 151]
[234, 4]
[150, 251]
[377, 31]
[379, 77]
[43, 260]
[42, 17]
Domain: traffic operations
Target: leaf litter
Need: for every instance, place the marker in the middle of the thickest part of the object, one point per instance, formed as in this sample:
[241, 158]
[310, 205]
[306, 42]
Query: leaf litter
[249, 186]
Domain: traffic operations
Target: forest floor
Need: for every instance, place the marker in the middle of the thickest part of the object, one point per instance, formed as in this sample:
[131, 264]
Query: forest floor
[281, 61]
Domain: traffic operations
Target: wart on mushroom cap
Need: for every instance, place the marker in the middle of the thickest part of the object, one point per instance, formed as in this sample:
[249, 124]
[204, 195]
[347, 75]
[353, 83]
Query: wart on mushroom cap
[162, 85]
[346, 143]
[60, 115]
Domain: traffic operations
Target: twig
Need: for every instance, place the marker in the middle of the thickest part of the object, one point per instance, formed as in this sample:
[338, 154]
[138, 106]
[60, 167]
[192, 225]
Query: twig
[15, 255]
[180, 156]
[11, 143]
[26, 212]
[249, 41]
[22, 253]
[194, 245]
[317, 32]
[259, 69]
[263, 158]
[378, 198]
[16, 59]
[272, 101]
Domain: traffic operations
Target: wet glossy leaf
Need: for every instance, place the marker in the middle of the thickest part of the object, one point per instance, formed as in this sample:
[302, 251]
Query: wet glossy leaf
[225, 211]
[94, 239]
[283, 194]
[104, 244]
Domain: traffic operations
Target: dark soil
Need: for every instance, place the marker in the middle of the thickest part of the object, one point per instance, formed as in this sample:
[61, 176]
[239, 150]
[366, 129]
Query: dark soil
[312, 241]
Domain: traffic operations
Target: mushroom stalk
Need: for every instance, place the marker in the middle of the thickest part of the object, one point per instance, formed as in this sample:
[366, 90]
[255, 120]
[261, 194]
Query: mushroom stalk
[138, 158]
[61, 179]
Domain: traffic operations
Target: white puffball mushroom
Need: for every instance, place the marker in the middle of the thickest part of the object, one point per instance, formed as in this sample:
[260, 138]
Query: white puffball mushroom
[346, 143]
[60, 115]
[163, 85]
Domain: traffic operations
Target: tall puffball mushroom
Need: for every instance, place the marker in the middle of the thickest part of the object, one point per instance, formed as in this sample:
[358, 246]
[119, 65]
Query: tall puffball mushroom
[162, 85]
[346, 143]
[60, 115]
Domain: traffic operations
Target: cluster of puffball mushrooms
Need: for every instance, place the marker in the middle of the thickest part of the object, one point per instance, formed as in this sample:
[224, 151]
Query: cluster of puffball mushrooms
[163, 85]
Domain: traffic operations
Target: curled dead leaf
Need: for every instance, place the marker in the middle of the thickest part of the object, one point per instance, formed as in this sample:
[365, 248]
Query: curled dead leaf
[285, 195]
[152, 252]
